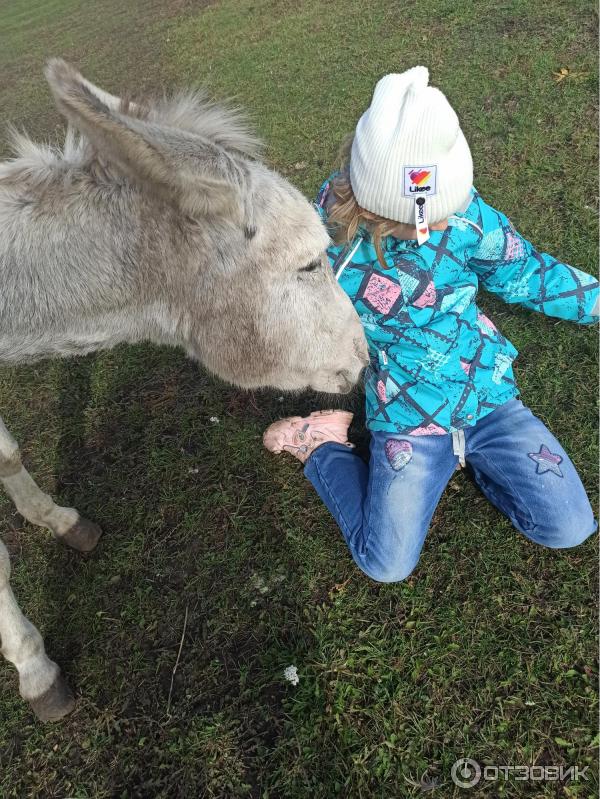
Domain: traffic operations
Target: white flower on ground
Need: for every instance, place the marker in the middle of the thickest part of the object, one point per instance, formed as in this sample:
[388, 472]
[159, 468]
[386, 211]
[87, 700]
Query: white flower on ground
[214, 420]
[259, 584]
[291, 675]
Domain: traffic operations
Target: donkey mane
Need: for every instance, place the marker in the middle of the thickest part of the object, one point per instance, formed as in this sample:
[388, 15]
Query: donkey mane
[222, 124]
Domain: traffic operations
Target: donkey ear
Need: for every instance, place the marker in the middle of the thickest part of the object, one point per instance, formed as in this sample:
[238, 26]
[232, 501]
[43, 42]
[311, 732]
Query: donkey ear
[130, 146]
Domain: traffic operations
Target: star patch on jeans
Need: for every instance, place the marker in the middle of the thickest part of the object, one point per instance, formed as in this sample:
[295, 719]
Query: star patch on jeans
[398, 453]
[546, 461]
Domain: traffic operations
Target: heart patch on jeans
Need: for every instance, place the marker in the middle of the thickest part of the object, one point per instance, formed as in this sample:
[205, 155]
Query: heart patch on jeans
[398, 453]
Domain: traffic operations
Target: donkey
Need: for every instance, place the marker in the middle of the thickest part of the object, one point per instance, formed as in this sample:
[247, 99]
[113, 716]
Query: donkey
[156, 223]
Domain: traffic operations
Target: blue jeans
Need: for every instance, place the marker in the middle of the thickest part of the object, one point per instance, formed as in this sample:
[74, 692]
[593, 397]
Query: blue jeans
[384, 509]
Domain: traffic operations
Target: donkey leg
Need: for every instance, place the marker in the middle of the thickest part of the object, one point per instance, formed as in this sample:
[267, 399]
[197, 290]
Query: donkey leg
[40, 681]
[39, 508]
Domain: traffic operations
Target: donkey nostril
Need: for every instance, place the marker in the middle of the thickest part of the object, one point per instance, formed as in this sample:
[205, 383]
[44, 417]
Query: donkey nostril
[348, 384]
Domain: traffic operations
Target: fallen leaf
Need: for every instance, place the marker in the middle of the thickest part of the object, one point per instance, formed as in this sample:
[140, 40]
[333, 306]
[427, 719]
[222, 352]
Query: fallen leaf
[564, 73]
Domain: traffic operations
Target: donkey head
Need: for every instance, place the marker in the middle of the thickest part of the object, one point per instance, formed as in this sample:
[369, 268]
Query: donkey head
[244, 274]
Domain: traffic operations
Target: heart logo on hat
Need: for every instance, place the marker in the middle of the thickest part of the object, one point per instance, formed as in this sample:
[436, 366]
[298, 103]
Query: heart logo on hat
[419, 181]
[419, 176]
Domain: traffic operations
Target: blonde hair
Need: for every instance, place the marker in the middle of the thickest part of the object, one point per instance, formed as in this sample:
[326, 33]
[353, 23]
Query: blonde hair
[346, 216]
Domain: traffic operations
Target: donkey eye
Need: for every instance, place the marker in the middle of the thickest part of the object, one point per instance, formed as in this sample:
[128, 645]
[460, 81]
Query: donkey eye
[311, 267]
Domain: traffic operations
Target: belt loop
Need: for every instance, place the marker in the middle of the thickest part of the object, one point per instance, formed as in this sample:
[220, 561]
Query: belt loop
[458, 446]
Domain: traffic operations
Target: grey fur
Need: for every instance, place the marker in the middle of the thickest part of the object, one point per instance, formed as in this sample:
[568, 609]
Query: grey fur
[138, 230]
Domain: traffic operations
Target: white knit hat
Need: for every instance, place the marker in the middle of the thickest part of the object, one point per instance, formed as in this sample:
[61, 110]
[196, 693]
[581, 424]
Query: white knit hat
[409, 145]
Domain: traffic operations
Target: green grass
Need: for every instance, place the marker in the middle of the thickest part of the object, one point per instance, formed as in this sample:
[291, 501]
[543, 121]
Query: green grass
[489, 650]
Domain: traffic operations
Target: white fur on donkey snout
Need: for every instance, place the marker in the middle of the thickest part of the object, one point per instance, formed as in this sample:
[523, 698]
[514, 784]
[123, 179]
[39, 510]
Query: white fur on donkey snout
[155, 222]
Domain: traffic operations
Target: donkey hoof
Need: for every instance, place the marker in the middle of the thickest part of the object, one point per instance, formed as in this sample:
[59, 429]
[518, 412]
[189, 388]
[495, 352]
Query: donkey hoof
[55, 703]
[83, 535]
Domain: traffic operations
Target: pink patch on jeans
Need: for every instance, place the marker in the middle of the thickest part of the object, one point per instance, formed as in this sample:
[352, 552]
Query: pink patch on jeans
[430, 430]
[398, 453]
[381, 391]
[427, 298]
[381, 292]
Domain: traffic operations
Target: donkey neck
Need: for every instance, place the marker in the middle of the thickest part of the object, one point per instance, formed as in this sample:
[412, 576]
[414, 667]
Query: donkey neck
[78, 277]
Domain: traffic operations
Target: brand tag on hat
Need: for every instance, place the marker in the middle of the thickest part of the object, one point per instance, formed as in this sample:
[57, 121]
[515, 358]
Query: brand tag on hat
[420, 181]
[421, 223]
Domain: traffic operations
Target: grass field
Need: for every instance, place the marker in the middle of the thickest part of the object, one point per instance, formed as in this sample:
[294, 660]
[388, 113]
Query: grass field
[489, 649]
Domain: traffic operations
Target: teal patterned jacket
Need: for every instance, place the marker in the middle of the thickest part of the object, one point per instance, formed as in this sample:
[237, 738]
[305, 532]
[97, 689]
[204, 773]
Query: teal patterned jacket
[438, 364]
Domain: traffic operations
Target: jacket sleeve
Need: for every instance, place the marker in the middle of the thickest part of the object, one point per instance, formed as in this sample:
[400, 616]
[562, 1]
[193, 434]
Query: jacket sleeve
[508, 265]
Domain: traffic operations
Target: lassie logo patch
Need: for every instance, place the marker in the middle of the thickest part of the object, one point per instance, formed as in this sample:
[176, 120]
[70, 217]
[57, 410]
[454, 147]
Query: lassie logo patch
[398, 453]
